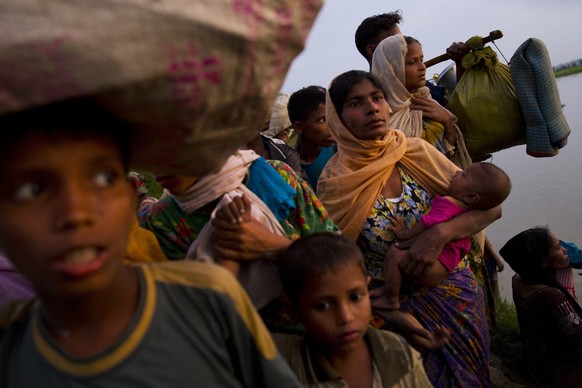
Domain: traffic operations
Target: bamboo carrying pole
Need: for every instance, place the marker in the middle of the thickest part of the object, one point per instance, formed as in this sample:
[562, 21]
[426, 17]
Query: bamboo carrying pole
[493, 35]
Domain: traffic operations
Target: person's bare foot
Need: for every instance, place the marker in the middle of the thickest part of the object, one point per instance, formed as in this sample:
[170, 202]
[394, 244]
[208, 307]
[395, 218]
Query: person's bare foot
[439, 338]
[411, 329]
[405, 322]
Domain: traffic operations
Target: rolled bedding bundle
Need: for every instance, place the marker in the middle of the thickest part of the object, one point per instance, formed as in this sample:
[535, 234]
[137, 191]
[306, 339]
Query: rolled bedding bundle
[533, 76]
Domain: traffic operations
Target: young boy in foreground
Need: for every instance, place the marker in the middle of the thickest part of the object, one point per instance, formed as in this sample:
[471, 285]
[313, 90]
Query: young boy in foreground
[67, 208]
[324, 275]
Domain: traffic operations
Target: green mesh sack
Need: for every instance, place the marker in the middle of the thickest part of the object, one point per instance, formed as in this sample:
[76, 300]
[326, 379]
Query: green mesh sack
[486, 104]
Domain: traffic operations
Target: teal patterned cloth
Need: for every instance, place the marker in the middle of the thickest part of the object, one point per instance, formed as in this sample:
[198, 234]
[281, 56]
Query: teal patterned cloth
[533, 77]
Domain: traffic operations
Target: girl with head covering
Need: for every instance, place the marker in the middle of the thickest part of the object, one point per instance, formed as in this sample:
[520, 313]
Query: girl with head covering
[377, 174]
[550, 319]
[398, 64]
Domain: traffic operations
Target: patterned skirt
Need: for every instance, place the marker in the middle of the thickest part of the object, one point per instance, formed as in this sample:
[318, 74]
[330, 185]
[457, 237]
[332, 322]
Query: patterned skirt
[458, 305]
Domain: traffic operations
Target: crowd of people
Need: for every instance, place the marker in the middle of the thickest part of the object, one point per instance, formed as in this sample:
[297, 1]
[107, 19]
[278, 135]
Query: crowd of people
[351, 255]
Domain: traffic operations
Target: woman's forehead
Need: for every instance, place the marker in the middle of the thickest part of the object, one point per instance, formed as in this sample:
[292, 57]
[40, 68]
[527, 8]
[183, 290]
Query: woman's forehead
[363, 88]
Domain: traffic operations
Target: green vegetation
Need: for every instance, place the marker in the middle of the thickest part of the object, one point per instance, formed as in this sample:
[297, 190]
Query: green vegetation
[568, 71]
[505, 337]
[506, 343]
[154, 189]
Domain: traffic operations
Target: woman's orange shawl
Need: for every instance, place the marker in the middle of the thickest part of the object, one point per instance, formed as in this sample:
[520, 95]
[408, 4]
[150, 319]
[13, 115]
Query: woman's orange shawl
[354, 177]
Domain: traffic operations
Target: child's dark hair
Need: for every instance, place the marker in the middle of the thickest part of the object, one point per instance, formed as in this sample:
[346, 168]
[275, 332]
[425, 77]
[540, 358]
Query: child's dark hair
[76, 118]
[342, 85]
[305, 101]
[410, 39]
[316, 254]
[371, 26]
[525, 253]
[494, 187]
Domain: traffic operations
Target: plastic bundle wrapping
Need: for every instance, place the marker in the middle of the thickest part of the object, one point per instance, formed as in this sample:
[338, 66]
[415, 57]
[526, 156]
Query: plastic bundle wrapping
[193, 80]
[486, 104]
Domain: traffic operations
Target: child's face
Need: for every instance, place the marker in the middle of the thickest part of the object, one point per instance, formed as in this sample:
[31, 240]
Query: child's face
[463, 182]
[335, 308]
[66, 210]
[414, 67]
[315, 129]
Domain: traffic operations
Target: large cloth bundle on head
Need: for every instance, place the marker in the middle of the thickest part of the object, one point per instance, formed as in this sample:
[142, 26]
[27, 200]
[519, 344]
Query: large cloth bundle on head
[192, 79]
[533, 76]
[486, 103]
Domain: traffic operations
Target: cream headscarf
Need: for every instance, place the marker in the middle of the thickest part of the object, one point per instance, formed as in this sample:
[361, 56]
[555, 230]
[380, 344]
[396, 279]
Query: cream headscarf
[354, 177]
[388, 65]
[214, 186]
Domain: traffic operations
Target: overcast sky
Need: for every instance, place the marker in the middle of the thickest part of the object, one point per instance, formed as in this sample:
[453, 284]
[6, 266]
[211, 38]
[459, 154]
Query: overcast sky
[330, 48]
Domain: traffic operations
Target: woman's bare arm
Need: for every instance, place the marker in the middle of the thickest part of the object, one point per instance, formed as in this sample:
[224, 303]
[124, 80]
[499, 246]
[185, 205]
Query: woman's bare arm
[423, 250]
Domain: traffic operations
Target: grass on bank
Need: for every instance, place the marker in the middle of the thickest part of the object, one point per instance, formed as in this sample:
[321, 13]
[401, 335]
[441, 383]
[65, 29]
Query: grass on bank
[568, 71]
[506, 343]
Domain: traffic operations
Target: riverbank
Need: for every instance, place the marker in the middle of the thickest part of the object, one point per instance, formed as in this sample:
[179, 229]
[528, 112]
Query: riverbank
[506, 349]
[568, 71]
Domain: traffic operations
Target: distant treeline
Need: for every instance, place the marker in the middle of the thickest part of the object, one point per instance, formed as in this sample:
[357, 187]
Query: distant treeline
[568, 68]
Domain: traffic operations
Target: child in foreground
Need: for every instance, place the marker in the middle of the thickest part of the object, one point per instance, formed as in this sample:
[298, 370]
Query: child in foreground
[67, 208]
[325, 277]
[480, 186]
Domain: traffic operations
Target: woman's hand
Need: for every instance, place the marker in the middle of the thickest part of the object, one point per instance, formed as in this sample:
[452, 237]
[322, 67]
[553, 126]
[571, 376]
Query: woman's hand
[431, 109]
[247, 241]
[421, 252]
[240, 237]
[424, 249]
[236, 212]
[457, 52]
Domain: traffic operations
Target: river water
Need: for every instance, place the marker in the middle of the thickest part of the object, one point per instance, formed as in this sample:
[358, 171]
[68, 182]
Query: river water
[545, 191]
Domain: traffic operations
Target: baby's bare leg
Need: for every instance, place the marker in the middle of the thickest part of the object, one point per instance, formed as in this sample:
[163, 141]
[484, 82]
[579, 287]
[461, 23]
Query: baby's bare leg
[407, 325]
[393, 276]
[437, 273]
